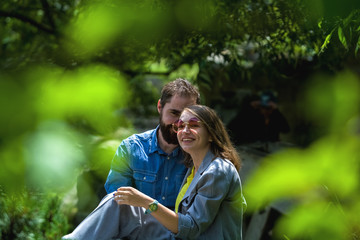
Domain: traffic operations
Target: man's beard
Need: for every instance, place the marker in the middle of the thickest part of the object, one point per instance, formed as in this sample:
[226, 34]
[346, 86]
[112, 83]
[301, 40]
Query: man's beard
[167, 132]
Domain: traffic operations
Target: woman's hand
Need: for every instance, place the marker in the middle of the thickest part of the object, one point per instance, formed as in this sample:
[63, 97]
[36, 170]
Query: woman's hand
[132, 196]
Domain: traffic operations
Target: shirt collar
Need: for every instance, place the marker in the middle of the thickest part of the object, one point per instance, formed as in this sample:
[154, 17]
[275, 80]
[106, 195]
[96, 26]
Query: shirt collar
[154, 144]
[206, 162]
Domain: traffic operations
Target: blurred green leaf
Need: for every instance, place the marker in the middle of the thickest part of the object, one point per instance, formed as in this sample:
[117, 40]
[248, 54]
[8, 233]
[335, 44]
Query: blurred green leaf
[102, 155]
[329, 222]
[322, 179]
[90, 94]
[54, 156]
[96, 27]
[326, 42]
[158, 67]
[333, 100]
[357, 46]
[342, 37]
[12, 177]
[327, 172]
[16, 108]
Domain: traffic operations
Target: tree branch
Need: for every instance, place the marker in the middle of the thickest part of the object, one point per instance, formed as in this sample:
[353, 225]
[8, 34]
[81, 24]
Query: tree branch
[48, 15]
[28, 20]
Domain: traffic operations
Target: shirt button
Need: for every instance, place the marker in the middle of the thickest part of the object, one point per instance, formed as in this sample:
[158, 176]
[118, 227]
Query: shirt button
[144, 178]
[166, 178]
[163, 198]
[168, 157]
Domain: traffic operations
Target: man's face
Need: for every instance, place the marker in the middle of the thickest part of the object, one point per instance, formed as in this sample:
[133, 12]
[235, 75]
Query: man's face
[170, 113]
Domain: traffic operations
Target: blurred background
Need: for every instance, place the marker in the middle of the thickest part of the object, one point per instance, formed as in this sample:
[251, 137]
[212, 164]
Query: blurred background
[77, 77]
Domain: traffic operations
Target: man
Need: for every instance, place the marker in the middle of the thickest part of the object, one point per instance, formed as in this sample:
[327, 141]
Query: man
[152, 163]
[259, 120]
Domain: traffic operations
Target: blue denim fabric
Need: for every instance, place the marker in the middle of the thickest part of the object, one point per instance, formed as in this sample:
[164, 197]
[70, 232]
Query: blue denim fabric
[139, 162]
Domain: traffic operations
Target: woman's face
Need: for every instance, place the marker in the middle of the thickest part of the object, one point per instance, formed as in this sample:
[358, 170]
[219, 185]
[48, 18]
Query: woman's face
[192, 135]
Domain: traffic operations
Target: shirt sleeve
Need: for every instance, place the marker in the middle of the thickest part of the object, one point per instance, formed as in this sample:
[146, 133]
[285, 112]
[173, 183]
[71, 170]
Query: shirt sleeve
[213, 188]
[120, 172]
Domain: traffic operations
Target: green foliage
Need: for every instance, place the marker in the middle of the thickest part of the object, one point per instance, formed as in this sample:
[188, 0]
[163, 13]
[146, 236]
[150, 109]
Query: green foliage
[73, 74]
[50, 119]
[180, 32]
[347, 30]
[146, 92]
[333, 100]
[322, 179]
[30, 215]
[102, 151]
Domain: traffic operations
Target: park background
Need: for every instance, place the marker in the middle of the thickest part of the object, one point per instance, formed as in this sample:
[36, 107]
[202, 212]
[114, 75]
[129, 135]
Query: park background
[76, 77]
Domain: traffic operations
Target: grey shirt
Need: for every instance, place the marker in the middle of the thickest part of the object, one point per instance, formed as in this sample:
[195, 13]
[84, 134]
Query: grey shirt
[213, 205]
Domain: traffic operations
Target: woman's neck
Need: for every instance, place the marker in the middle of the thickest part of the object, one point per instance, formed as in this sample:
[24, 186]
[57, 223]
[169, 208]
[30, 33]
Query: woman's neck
[197, 158]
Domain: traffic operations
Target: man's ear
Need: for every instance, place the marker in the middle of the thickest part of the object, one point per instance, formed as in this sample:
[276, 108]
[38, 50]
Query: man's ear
[159, 106]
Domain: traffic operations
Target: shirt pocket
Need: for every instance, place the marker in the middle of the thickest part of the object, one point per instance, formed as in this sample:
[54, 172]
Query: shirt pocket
[146, 182]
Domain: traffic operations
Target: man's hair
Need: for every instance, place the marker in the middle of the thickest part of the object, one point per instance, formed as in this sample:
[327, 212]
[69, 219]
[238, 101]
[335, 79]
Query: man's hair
[180, 87]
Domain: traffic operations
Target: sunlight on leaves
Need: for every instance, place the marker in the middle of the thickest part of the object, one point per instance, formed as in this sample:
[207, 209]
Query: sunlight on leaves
[342, 37]
[54, 154]
[96, 27]
[185, 71]
[100, 25]
[294, 176]
[158, 67]
[48, 112]
[89, 94]
[320, 214]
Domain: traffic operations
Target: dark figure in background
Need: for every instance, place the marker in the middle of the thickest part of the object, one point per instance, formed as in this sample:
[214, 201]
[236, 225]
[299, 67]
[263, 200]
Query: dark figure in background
[259, 120]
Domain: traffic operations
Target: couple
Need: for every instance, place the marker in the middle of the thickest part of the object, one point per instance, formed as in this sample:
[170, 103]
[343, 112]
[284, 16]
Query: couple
[148, 169]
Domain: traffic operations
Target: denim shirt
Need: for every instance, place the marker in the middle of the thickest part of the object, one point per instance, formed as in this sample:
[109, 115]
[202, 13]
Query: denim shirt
[141, 163]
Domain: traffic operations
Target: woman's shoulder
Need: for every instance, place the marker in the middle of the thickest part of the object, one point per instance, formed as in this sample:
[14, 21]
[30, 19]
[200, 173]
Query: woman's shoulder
[222, 174]
[222, 166]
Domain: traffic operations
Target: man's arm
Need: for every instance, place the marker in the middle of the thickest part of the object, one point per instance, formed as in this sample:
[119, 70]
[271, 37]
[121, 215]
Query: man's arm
[120, 172]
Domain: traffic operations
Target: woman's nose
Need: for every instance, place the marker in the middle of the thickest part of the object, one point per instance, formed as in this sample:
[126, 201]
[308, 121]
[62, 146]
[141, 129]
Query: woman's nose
[186, 128]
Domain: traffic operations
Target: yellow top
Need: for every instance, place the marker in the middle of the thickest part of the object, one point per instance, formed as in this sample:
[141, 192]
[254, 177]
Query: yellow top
[184, 189]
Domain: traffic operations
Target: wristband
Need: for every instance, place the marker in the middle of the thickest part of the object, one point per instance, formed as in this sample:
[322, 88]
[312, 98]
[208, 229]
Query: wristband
[152, 207]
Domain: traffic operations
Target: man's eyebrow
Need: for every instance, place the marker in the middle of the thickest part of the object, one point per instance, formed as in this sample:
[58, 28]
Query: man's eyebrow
[175, 111]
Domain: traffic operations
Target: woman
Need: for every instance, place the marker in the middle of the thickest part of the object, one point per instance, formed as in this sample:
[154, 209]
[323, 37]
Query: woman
[210, 203]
